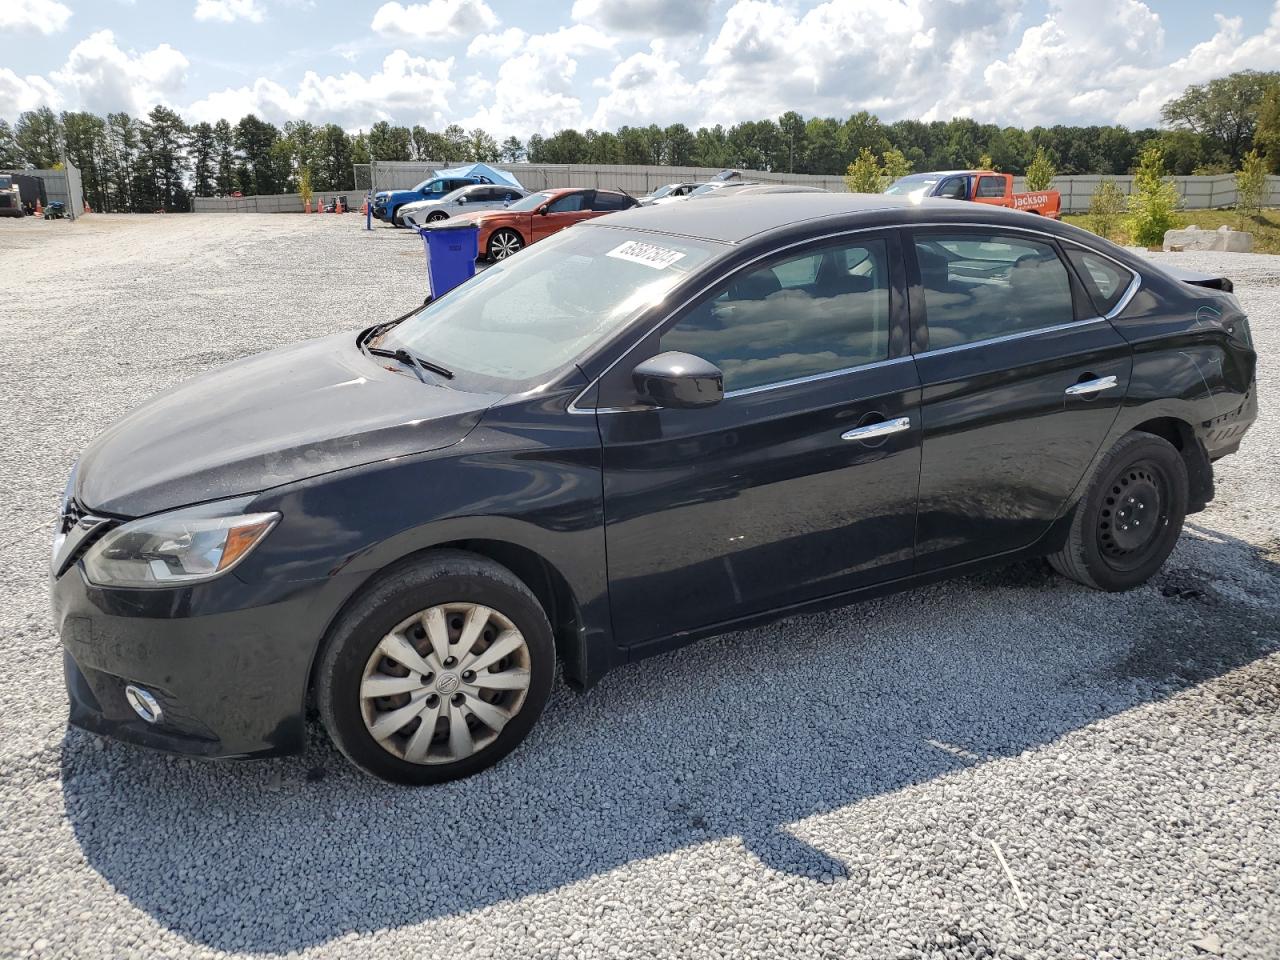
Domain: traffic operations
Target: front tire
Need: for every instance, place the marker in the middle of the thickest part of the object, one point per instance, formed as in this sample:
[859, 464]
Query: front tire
[1129, 520]
[438, 672]
[437, 216]
[504, 243]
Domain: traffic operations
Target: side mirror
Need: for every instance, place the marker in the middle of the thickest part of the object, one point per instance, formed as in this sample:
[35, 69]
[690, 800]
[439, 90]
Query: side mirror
[542, 210]
[679, 380]
[461, 200]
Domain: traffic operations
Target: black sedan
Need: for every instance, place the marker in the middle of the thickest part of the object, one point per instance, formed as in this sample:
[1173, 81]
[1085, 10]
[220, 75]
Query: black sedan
[667, 423]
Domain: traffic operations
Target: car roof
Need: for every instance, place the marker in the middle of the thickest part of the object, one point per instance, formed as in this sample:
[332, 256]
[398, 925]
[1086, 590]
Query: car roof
[735, 219]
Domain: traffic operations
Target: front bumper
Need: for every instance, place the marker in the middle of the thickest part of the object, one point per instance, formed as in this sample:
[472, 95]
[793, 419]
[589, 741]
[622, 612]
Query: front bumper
[229, 662]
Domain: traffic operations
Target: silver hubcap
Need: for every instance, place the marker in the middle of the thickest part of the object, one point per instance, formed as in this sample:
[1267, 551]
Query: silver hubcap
[444, 682]
[504, 245]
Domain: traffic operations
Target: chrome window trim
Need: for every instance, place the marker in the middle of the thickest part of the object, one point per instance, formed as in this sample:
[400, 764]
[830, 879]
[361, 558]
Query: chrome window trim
[880, 228]
[1134, 283]
[761, 388]
[1020, 335]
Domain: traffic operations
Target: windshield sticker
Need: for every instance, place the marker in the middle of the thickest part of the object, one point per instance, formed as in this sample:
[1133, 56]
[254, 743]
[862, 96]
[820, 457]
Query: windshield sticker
[649, 254]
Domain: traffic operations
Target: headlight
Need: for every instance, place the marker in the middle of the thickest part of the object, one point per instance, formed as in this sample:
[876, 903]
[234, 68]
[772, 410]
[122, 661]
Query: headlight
[185, 546]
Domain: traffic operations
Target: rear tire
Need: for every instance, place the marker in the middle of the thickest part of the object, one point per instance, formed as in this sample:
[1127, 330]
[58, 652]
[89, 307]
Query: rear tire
[479, 608]
[1128, 522]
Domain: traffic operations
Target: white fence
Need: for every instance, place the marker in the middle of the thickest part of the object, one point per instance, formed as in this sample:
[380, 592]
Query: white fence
[634, 179]
[270, 202]
[1198, 193]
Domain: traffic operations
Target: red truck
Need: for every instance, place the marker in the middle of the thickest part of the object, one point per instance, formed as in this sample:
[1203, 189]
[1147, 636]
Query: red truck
[979, 186]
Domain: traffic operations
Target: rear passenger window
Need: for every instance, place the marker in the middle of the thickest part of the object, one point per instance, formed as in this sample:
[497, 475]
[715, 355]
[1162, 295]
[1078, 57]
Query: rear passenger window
[980, 286]
[990, 187]
[1105, 280]
[610, 201]
[824, 311]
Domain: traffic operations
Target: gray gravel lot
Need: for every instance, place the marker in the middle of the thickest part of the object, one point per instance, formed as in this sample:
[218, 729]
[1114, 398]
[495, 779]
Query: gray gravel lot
[837, 785]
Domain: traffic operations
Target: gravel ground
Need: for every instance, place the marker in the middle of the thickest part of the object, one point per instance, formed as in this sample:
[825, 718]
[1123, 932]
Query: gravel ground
[1002, 766]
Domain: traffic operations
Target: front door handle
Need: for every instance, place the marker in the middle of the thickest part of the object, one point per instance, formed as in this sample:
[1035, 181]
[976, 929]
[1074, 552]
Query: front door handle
[873, 431]
[1089, 387]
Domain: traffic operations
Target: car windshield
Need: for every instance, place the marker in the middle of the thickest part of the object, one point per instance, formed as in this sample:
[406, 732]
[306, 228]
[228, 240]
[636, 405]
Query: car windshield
[663, 191]
[523, 319]
[914, 183]
[532, 202]
[708, 188]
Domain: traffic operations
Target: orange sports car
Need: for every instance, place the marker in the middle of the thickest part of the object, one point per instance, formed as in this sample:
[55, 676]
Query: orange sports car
[503, 232]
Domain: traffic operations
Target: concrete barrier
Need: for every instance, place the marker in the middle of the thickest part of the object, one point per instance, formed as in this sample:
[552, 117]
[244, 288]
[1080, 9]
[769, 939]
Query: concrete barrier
[1223, 239]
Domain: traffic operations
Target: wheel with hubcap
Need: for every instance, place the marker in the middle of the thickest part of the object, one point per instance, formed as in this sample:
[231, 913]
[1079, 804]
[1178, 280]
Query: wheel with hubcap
[438, 672]
[504, 243]
[436, 216]
[1128, 522]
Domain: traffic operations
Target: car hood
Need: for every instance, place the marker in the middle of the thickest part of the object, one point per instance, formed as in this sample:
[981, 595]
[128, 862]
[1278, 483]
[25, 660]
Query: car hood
[483, 216]
[281, 416]
[420, 205]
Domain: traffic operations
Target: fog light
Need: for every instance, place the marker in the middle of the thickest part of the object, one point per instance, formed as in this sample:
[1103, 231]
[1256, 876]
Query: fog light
[143, 702]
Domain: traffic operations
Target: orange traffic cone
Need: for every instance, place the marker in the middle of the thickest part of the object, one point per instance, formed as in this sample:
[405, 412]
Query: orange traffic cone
[306, 206]
[87, 208]
[39, 208]
[364, 208]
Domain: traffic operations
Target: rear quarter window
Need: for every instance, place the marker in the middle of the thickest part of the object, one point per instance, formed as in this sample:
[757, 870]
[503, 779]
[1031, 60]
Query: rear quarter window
[1105, 280]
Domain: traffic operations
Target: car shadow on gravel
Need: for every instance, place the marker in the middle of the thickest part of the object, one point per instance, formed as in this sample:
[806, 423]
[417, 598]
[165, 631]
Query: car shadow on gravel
[737, 737]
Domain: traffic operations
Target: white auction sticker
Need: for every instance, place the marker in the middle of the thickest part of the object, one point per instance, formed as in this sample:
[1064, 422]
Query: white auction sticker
[650, 254]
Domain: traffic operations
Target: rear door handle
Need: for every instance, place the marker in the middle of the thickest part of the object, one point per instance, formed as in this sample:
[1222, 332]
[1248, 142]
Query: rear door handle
[1089, 387]
[873, 431]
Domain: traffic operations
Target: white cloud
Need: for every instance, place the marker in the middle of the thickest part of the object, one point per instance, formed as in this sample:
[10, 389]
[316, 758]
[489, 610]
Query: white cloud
[100, 77]
[536, 90]
[407, 89]
[25, 93]
[434, 20]
[42, 16]
[652, 18]
[641, 89]
[1005, 61]
[228, 11]
[498, 46]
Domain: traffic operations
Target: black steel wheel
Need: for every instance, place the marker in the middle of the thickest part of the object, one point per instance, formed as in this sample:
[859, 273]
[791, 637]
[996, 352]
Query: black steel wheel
[1129, 520]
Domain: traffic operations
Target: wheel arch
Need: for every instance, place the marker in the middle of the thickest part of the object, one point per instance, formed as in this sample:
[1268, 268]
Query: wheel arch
[543, 578]
[1182, 436]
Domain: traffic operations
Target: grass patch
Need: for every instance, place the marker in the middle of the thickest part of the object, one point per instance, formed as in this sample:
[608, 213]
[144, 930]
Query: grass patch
[1265, 227]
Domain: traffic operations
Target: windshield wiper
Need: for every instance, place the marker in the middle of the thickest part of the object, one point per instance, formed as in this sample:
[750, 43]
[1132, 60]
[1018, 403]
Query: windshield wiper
[418, 364]
[386, 325]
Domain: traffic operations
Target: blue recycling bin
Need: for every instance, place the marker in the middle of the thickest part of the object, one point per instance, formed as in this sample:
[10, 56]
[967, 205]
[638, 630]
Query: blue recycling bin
[451, 247]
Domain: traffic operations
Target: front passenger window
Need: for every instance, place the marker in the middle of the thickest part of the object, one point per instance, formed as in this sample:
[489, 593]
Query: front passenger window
[823, 311]
[978, 286]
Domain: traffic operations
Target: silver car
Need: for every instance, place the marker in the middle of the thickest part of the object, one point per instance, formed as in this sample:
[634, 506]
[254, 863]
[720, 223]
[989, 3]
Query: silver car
[477, 196]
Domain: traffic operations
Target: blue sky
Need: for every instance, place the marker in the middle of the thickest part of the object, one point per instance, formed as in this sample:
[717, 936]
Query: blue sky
[535, 67]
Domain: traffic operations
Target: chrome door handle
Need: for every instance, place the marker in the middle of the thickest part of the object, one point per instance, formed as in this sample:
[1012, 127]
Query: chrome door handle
[874, 430]
[1091, 386]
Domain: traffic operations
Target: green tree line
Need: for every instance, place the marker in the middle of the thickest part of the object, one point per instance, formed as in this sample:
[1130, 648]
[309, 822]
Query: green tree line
[159, 161]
